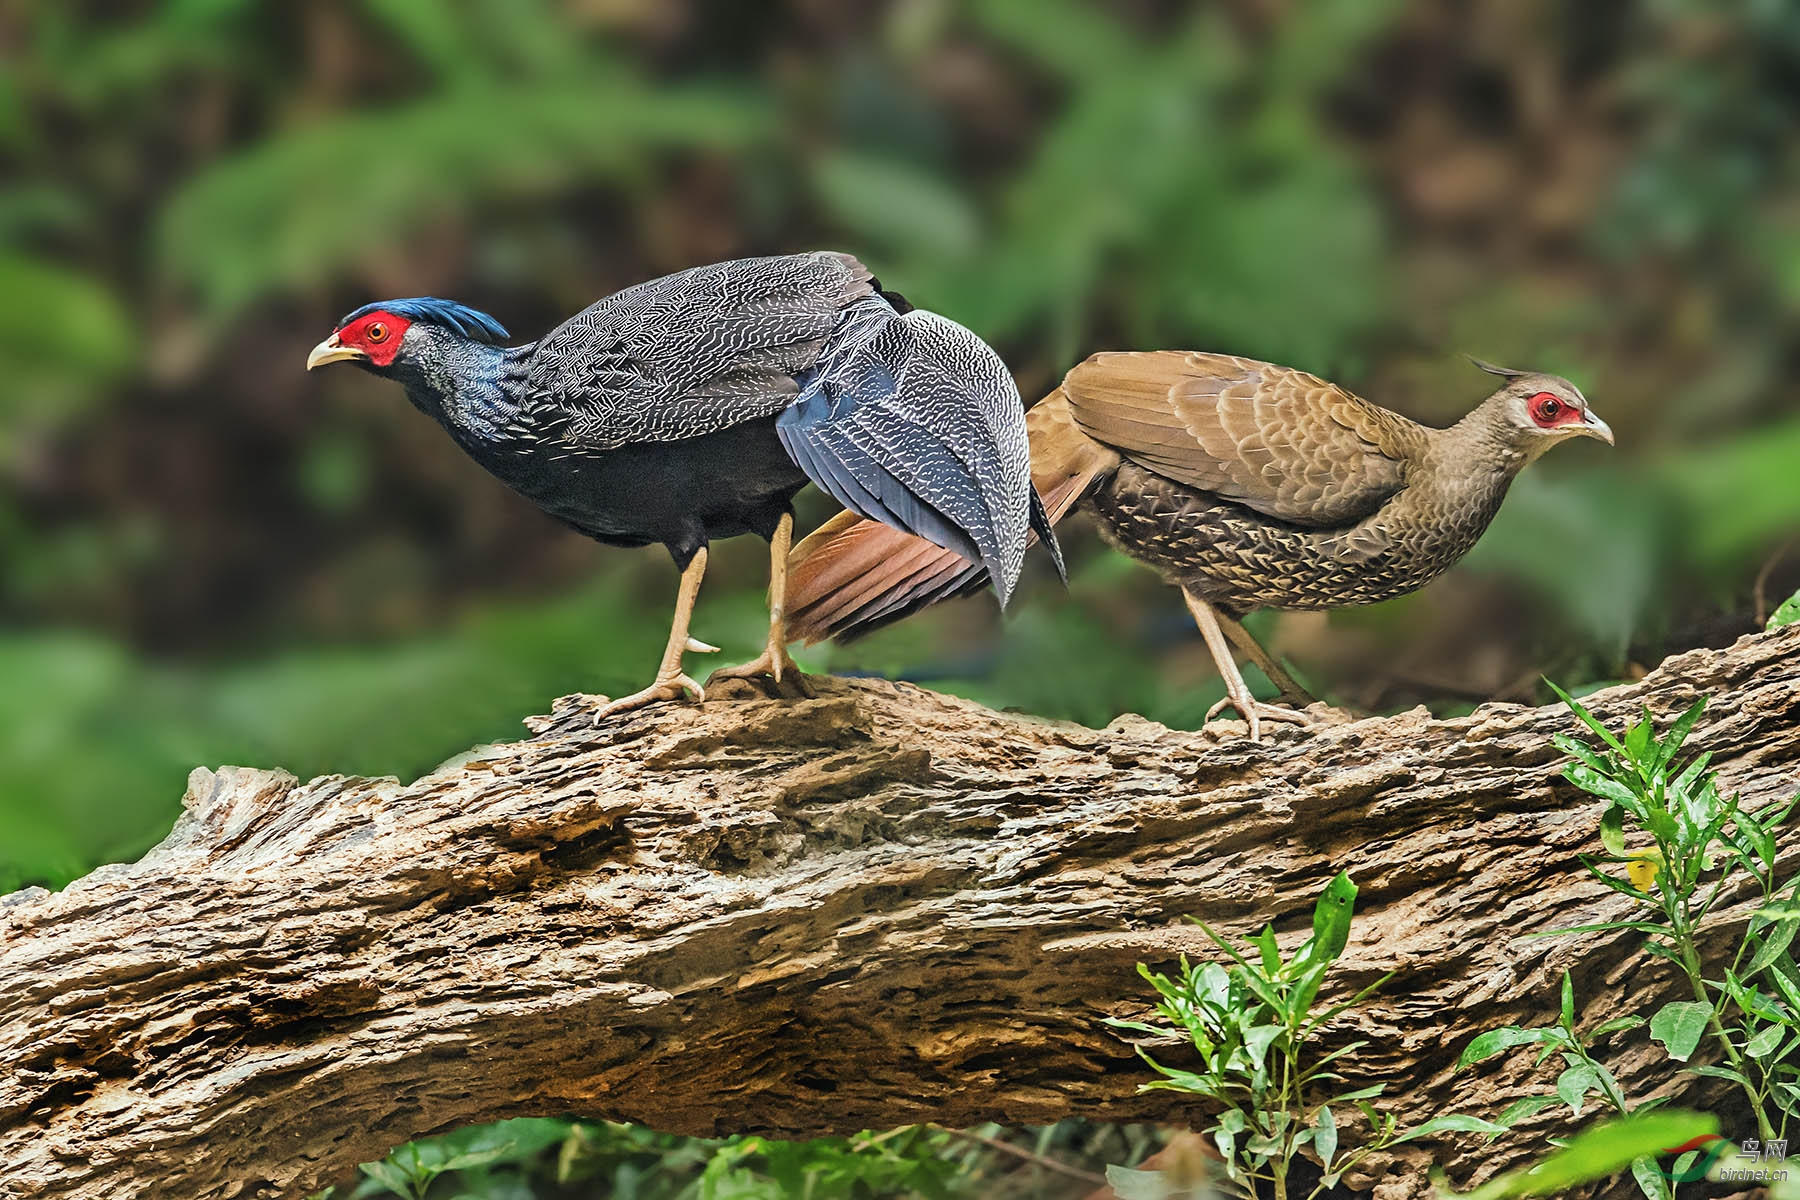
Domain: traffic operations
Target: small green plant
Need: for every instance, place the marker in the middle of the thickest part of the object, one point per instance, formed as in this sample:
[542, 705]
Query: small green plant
[1582, 1075]
[1251, 1022]
[1700, 844]
[912, 1161]
[1683, 846]
[410, 1171]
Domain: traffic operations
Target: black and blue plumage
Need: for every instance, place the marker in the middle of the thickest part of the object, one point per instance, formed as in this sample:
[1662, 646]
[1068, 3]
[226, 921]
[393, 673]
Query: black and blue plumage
[695, 406]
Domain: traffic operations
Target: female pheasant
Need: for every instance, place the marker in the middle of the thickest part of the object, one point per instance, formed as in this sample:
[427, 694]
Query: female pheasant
[695, 406]
[1247, 485]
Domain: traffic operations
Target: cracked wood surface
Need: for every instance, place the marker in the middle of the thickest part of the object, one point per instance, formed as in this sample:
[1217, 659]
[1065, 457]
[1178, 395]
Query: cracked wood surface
[870, 908]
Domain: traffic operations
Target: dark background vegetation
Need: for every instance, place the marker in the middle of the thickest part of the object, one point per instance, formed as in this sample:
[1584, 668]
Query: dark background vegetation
[211, 556]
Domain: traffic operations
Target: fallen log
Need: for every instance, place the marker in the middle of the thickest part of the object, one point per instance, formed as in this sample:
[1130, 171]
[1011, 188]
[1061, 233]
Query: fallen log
[874, 907]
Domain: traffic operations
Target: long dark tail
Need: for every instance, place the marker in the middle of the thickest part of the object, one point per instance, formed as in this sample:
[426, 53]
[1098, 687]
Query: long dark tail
[913, 421]
[852, 576]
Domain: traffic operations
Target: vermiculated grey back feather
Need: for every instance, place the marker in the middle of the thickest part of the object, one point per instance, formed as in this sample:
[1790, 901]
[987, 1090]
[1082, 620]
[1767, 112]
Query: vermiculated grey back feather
[915, 422]
[696, 351]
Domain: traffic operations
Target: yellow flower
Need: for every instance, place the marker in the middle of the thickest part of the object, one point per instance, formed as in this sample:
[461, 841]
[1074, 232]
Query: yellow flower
[1642, 867]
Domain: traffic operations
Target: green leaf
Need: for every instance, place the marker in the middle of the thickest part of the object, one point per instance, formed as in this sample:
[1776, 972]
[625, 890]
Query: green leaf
[1129, 1184]
[1679, 1025]
[1264, 1145]
[1716, 1072]
[389, 1176]
[1270, 950]
[1671, 742]
[1529, 1106]
[1325, 1137]
[1264, 989]
[1599, 1152]
[1573, 1085]
[1257, 1041]
[1450, 1123]
[1230, 950]
[1649, 927]
[1568, 1002]
[475, 1158]
[1590, 780]
[1612, 830]
[1586, 718]
[1306, 990]
[1650, 1180]
[1331, 919]
[1573, 746]
[1774, 945]
[1486, 1045]
[1763, 1044]
[1177, 1080]
[1685, 781]
[1786, 614]
[1786, 977]
[1763, 837]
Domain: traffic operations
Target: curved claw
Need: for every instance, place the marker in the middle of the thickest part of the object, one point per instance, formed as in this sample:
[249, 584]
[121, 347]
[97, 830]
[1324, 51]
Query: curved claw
[771, 663]
[673, 688]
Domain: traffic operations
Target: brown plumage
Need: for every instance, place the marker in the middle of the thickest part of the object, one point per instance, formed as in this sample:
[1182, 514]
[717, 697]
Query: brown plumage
[1246, 485]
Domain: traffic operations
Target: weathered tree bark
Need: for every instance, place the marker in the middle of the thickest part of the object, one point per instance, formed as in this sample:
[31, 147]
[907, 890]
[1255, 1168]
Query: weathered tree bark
[875, 907]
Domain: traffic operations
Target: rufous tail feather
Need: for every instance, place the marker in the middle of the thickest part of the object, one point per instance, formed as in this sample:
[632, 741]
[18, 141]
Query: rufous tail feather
[851, 576]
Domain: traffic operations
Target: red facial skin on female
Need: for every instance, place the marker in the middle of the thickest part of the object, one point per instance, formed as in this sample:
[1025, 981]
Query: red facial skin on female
[1550, 411]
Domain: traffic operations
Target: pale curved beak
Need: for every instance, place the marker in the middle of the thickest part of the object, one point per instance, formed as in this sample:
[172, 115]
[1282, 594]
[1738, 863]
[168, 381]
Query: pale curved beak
[1594, 427]
[331, 350]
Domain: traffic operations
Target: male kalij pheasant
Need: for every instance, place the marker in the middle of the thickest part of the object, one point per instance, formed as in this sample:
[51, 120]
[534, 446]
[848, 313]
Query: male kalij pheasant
[695, 406]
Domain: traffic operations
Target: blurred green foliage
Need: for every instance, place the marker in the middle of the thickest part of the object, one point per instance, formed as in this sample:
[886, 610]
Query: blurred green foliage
[62, 339]
[630, 1161]
[106, 739]
[527, 1158]
[300, 210]
[1184, 163]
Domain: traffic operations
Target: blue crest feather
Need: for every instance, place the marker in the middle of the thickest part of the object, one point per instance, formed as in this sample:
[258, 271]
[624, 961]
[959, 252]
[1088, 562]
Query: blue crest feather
[470, 323]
